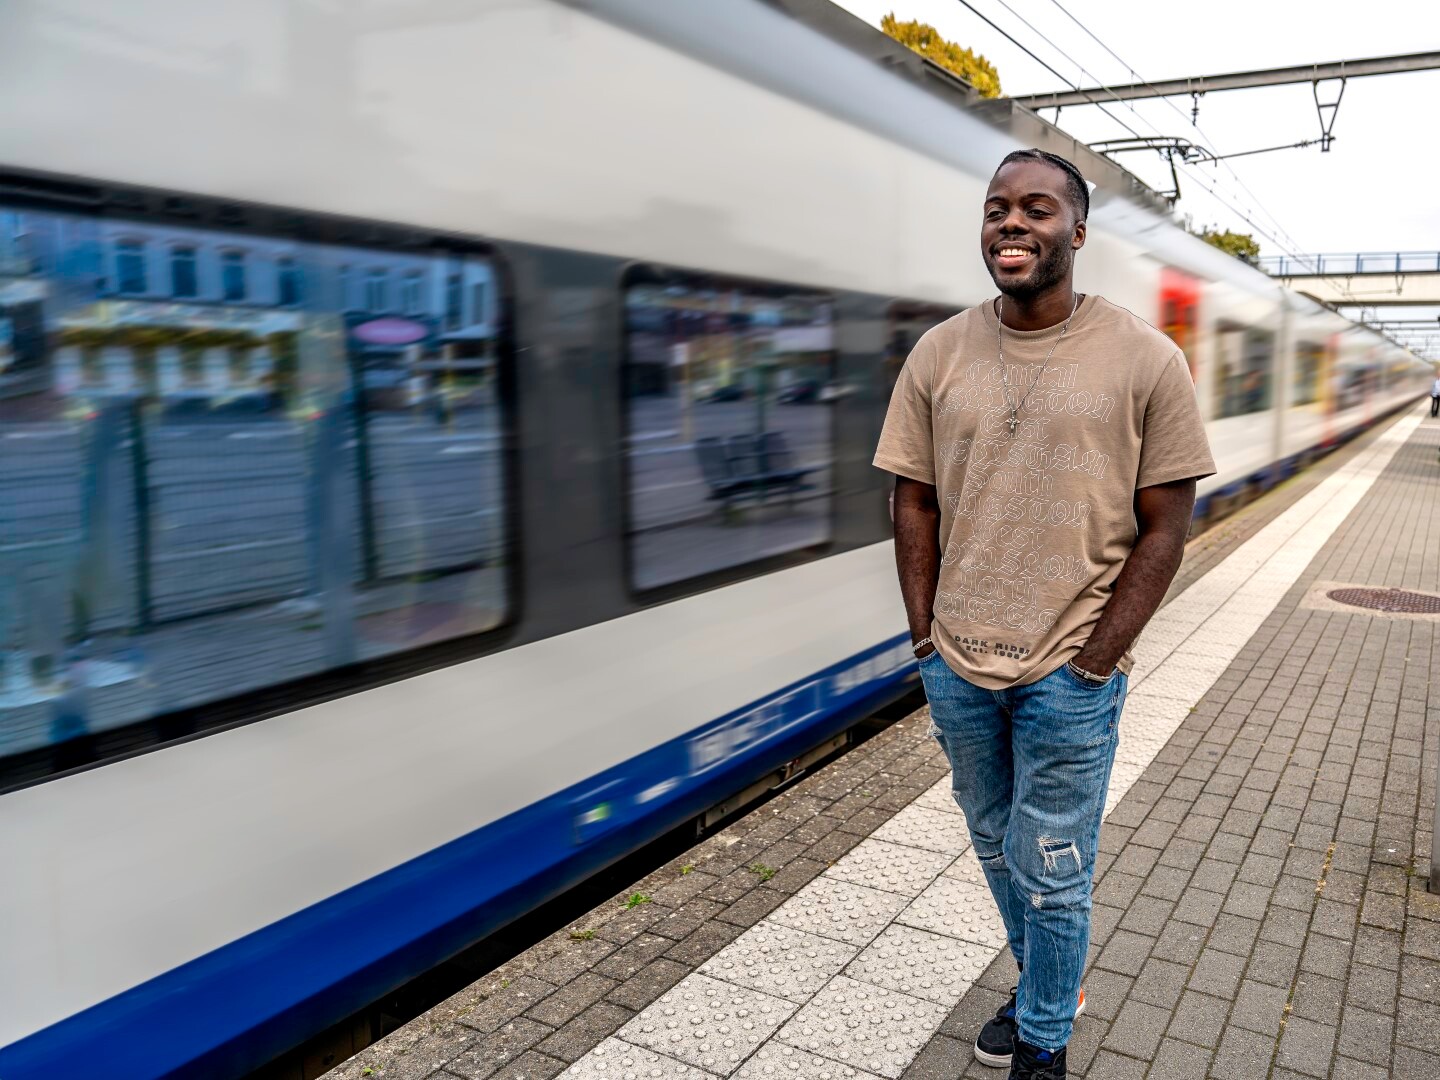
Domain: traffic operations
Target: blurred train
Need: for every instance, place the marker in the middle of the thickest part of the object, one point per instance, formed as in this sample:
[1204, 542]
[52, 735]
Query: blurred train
[434, 460]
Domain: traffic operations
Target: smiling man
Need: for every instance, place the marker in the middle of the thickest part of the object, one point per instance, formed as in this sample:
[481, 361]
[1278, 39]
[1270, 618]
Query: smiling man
[1046, 446]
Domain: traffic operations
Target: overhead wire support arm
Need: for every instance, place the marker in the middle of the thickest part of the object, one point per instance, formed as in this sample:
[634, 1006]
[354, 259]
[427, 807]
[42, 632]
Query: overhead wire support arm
[1240, 80]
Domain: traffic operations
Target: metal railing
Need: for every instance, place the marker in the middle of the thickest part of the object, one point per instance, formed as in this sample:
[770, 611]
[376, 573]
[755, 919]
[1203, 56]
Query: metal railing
[1351, 262]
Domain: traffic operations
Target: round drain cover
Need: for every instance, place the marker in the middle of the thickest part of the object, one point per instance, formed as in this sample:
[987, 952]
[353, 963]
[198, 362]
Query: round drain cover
[1397, 600]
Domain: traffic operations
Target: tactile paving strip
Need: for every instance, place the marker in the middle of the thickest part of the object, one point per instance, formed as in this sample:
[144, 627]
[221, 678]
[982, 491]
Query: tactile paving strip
[967, 868]
[615, 1059]
[850, 913]
[781, 1061]
[868, 1027]
[780, 960]
[891, 867]
[939, 797]
[707, 1023]
[933, 830]
[1187, 646]
[922, 964]
[957, 909]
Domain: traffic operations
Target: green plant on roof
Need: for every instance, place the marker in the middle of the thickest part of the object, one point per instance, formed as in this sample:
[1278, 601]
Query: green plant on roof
[926, 40]
[636, 899]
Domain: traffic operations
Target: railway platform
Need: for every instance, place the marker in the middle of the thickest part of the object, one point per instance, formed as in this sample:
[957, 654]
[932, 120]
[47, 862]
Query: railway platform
[1260, 909]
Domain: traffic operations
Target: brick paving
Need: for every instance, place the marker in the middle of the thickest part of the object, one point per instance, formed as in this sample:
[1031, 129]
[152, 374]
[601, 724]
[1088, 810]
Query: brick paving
[1260, 910]
[1261, 907]
[532, 1017]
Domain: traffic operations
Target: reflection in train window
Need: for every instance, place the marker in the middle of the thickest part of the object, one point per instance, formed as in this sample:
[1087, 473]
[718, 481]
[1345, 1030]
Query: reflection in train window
[1245, 360]
[906, 323]
[728, 391]
[204, 499]
[1309, 363]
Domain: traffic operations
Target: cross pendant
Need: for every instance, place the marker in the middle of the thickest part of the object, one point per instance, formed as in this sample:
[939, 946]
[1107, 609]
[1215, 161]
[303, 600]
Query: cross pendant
[1013, 422]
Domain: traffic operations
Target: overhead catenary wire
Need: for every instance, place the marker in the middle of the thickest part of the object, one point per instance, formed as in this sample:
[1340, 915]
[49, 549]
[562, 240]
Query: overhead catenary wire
[1180, 113]
[1016, 42]
[1081, 68]
[1289, 245]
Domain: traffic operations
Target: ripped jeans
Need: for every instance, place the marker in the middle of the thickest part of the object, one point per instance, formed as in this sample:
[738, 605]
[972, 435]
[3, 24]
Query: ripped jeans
[1030, 766]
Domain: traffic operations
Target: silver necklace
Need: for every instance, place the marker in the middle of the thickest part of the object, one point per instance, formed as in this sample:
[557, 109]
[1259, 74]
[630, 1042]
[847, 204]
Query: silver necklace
[1015, 406]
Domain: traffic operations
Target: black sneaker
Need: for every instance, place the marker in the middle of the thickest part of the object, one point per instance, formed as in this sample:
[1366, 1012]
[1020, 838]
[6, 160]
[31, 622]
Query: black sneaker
[995, 1044]
[1032, 1063]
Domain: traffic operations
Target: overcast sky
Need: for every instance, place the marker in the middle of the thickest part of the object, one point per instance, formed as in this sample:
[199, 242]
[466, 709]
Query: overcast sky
[1377, 189]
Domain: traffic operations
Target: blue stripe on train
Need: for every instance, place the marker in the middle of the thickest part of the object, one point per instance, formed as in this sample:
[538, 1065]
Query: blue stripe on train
[230, 1010]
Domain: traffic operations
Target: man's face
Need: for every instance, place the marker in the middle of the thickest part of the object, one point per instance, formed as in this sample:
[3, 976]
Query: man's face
[1030, 233]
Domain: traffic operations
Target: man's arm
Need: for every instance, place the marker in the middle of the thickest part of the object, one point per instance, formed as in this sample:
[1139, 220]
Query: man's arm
[917, 552]
[1162, 514]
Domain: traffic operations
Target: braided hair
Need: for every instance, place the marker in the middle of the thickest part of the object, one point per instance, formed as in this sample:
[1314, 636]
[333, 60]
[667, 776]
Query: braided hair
[1075, 185]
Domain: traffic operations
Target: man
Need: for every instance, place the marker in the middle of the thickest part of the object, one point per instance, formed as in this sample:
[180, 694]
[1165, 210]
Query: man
[1046, 447]
[1435, 395]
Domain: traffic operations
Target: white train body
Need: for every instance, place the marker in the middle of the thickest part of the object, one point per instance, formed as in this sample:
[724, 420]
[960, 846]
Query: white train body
[193, 908]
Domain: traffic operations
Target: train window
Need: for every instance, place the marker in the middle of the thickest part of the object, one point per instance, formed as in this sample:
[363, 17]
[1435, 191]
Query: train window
[729, 444]
[1309, 363]
[203, 500]
[1245, 360]
[906, 323]
[1179, 311]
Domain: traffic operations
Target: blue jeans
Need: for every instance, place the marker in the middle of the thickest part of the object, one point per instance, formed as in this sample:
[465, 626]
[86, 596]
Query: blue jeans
[1030, 766]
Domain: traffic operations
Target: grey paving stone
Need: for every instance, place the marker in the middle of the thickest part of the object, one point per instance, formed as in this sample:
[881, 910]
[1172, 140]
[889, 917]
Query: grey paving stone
[1137, 1030]
[1199, 1019]
[1242, 1055]
[586, 1031]
[503, 1003]
[1372, 987]
[1160, 983]
[628, 959]
[1114, 1067]
[1420, 978]
[530, 1065]
[1366, 1035]
[489, 1053]
[1285, 927]
[571, 999]
[1273, 963]
[1306, 1047]
[647, 984]
[1350, 1069]
[1417, 1025]
[1148, 915]
[1179, 1061]
[1126, 952]
[1412, 1064]
[1260, 1008]
[1199, 907]
[1218, 974]
[1234, 934]
[1180, 943]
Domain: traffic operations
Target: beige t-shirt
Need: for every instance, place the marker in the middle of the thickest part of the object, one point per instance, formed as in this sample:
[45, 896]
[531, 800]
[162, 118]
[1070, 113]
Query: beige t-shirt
[1035, 526]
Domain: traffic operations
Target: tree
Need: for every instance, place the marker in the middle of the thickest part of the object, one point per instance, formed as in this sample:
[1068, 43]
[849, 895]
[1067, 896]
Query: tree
[1241, 245]
[926, 40]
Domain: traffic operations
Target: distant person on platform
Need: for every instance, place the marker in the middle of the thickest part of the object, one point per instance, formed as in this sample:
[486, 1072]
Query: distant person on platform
[1046, 446]
[1435, 395]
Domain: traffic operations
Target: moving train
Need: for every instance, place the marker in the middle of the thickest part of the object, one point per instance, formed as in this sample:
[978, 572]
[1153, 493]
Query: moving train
[435, 459]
